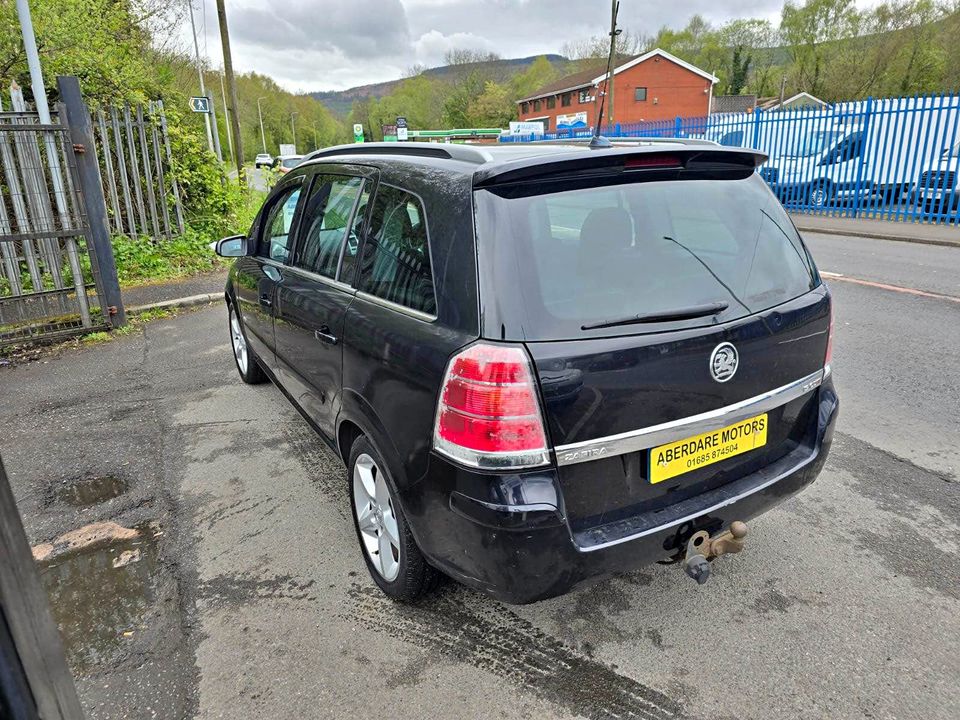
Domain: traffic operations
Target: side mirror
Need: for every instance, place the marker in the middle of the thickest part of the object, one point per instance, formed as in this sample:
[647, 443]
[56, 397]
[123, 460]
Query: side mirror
[231, 247]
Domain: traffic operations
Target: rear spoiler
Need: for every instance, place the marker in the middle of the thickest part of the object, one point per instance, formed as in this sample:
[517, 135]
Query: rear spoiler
[577, 163]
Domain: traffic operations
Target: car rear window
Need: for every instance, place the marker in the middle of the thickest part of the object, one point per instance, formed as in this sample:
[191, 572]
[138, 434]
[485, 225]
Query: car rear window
[596, 254]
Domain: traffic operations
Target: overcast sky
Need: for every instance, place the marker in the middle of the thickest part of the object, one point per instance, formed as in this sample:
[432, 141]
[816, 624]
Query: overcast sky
[308, 45]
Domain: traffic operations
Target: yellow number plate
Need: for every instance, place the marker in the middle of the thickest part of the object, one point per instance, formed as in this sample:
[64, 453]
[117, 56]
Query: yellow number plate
[680, 456]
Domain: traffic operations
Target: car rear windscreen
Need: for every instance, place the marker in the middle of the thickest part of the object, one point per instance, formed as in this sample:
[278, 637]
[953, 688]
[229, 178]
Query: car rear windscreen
[573, 259]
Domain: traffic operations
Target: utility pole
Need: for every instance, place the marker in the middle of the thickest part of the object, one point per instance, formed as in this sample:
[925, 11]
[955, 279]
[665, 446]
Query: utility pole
[263, 137]
[783, 88]
[203, 89]
[293, 126]
[226, 116]
[231, 88]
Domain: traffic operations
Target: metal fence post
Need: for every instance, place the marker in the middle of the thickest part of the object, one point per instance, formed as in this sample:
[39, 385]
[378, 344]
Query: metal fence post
[25, 613]
[757, 114]
[91, 187]
[678, 127]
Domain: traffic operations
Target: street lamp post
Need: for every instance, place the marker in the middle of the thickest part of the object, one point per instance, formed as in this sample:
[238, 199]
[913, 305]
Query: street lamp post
[263, 137]
[293, 126]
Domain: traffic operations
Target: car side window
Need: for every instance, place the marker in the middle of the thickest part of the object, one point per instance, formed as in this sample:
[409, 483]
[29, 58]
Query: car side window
[326, 219]
[395, 264]
[275, 236]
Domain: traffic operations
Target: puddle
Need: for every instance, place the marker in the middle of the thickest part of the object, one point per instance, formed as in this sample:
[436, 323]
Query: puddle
[99, 594]
[91, 491]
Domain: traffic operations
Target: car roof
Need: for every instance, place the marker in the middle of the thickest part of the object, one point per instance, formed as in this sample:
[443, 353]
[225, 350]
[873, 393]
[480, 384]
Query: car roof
[488, 164]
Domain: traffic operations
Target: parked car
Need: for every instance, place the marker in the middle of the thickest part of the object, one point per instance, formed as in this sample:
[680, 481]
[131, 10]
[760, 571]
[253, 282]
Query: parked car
[938, 189]
[285, 163]
[543, 363]
[263, 160]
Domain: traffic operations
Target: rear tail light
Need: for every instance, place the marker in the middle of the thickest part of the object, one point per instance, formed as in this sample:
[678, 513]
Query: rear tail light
[828, 359]
[488, 415]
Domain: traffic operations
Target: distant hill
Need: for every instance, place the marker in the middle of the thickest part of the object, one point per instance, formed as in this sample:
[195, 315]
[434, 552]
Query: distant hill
[340, 101]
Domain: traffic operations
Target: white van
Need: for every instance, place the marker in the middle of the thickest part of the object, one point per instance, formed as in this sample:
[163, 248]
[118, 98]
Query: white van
[938, 188]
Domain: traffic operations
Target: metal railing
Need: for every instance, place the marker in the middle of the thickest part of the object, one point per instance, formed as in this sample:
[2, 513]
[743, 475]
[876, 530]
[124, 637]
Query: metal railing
[891, 159]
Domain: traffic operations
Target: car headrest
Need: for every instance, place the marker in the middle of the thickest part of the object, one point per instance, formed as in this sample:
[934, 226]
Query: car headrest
[606, 230]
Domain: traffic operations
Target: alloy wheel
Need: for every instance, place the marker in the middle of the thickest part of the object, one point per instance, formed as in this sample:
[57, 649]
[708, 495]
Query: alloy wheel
[375, 517]
[239, 341]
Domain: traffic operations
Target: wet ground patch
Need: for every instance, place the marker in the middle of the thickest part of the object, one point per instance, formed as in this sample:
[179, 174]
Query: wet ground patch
[103, 597]
[87, 491]
[493, 638]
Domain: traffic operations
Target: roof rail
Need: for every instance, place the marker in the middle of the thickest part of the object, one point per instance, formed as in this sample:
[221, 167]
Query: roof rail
[448, 151]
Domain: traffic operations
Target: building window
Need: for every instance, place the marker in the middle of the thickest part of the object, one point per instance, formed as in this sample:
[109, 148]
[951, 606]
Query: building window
[524, 108]
[640, 94]
[546, 125]
[566, 99]
[536, 106]
[551, 103]
[583, 97]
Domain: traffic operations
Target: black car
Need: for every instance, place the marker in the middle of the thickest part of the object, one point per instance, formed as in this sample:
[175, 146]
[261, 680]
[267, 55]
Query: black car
[541, 363]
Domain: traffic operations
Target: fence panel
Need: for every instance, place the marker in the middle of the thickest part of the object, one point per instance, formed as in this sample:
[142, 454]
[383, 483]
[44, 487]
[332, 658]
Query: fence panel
[46, 280]
[893, 159]
[136, 165]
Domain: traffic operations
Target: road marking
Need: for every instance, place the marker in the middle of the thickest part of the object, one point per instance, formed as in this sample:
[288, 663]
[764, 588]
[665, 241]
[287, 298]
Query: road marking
[894, 288]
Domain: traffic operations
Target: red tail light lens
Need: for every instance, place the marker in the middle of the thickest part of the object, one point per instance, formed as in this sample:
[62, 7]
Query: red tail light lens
[488, 415]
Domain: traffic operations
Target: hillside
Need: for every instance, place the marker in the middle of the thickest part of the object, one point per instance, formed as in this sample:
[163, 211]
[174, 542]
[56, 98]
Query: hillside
[340, 101]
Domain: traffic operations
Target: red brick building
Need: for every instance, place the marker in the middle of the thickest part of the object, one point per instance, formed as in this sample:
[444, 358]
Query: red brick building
[652, 86]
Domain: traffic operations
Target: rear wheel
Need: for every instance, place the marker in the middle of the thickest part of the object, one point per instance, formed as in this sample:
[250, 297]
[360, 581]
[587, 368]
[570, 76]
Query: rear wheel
[395, 562]
[247, 365]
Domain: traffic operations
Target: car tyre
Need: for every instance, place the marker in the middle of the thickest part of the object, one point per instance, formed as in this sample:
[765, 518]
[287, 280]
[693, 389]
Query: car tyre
[247, 364]
[393, 559]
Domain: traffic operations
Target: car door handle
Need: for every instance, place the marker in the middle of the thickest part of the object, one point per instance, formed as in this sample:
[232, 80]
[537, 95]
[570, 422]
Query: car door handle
[324, 335]
[265, 301]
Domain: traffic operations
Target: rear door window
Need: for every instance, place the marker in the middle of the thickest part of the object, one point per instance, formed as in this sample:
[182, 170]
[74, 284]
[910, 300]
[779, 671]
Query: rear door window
[327, 216]
[592, 255]
[395, 263]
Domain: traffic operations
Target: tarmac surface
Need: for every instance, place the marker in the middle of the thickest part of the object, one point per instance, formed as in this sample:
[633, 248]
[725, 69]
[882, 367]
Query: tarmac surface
[250, 598]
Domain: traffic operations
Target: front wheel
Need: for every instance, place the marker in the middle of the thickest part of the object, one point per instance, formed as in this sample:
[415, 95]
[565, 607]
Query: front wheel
[247, 365]
[395, 562]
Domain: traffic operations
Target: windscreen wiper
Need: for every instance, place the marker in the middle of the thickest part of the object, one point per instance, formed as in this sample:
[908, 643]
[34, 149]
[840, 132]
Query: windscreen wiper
[686, 313]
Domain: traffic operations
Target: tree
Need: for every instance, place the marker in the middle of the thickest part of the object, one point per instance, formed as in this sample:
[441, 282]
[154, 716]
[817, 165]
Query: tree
[493, 108]
[739, 70]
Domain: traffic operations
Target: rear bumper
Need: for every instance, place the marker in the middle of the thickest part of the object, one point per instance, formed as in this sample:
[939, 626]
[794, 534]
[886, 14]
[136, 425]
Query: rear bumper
[506, 535]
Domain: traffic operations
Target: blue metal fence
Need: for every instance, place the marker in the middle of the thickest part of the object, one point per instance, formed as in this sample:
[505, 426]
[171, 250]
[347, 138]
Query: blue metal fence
[891, 159]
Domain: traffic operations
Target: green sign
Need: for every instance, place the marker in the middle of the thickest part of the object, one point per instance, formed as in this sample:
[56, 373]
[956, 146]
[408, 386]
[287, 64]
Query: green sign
[357, 133]
[200, 104]
[389, 133]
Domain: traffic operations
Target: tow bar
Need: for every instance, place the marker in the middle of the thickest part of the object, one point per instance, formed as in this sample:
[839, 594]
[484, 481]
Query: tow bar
[701, 549]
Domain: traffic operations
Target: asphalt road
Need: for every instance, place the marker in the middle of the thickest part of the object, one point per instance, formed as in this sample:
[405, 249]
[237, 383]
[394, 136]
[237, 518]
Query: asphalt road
[845, 604]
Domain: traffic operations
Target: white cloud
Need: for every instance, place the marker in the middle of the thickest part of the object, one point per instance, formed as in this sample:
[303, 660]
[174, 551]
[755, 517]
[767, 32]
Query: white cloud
[336, 44]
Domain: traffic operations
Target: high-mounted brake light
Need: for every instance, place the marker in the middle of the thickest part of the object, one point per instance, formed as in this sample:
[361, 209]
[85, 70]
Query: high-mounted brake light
[652, 161]
[488, 415]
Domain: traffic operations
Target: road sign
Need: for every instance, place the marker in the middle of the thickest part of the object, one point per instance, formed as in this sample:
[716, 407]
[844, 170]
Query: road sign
[357, 133]
[402, 129]
[200, 104]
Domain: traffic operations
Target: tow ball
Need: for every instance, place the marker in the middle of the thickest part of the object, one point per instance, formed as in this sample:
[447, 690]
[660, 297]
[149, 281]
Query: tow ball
[701, 549]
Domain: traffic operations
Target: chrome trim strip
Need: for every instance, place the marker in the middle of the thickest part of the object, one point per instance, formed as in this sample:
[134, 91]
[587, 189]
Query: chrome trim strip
[703, 511]
[649, 437]
[425, 317]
